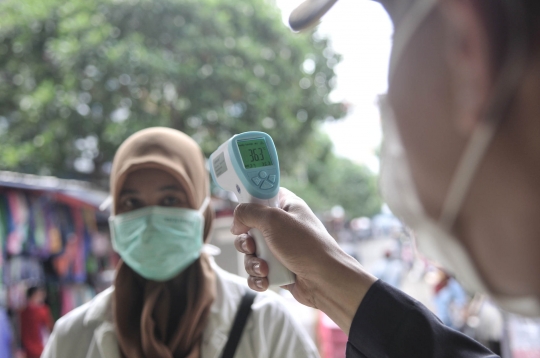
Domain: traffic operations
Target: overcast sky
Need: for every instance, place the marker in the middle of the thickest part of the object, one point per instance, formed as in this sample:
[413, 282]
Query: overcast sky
[361, 32]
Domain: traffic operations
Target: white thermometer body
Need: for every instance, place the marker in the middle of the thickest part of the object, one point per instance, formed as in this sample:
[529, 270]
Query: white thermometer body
[247, 164]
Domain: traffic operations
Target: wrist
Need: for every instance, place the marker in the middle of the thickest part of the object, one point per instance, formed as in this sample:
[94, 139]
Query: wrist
[342, 283]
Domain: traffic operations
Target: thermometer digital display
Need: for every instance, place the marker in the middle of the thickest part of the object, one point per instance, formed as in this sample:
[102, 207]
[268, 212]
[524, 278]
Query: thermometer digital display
[254, 153]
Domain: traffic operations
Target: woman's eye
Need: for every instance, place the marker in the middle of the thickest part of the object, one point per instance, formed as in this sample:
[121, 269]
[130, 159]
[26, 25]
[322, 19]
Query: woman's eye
[130, 204]
[170, 201]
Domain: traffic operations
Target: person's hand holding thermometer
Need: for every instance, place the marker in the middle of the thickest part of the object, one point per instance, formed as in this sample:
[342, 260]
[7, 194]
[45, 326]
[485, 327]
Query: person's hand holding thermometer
[247, 164]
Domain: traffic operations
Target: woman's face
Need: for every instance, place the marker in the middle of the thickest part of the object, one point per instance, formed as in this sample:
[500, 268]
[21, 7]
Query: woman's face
[151, 187]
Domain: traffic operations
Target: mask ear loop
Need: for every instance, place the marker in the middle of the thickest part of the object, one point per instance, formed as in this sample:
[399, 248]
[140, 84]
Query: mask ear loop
[211, 250]
[204, 205]
[106, 203]
[505, 89]
[208, 249]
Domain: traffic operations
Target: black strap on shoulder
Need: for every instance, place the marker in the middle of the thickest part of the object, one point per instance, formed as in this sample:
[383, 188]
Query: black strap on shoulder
[242, 315]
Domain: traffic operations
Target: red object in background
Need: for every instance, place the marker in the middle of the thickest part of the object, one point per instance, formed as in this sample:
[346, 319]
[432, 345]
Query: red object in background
[332, 340]
[34, 319]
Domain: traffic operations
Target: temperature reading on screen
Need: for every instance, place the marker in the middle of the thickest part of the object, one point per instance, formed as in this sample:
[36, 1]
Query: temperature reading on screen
[254, 153]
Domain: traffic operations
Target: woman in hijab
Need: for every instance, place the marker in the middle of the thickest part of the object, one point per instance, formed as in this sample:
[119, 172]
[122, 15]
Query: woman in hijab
[170, 299]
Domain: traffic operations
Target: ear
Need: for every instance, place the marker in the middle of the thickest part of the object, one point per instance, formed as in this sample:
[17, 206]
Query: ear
[468, 56]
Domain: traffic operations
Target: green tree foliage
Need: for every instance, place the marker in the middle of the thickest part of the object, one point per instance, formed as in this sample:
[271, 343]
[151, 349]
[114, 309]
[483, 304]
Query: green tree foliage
[325, 180]
[77, 77]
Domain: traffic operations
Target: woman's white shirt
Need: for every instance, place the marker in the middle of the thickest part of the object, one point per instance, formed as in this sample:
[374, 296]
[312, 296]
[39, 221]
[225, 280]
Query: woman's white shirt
[270, 332]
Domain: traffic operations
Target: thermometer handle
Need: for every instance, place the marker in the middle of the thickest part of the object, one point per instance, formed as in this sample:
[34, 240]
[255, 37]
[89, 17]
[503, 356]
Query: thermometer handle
[278, 274]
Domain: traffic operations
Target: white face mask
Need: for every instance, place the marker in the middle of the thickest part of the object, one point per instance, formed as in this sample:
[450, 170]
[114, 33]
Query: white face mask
[434, 238]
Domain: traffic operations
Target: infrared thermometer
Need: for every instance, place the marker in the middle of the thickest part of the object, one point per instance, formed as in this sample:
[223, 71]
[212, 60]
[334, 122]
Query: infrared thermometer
[247, 164]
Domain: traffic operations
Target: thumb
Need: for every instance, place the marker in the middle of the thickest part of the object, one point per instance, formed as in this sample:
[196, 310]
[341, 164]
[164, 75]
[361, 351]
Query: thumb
[247, 216]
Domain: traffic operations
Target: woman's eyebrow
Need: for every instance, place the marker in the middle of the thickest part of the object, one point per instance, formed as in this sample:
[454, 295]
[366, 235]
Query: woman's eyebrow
[171, 187]
[128, 191]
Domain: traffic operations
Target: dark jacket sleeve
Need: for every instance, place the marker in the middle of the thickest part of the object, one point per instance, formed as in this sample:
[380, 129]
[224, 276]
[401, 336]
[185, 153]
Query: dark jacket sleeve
[390, 324]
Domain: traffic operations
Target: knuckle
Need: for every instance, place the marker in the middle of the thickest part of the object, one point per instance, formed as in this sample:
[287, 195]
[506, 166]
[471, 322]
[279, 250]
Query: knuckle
[250, 260]
[239, 243]
[239, 210]
[272, 215]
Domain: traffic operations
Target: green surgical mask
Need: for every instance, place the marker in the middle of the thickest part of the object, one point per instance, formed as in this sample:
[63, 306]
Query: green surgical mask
[159, 242]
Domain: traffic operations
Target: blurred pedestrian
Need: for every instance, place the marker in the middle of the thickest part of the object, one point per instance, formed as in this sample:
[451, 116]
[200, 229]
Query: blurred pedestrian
[6, 334]
[485, 323]
[450, 301]
[389, 268]
[36, 322]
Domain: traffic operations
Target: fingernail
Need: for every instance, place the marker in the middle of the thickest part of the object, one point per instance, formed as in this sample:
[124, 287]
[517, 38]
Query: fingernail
[257, 268]
[258, 283]
[244, 246]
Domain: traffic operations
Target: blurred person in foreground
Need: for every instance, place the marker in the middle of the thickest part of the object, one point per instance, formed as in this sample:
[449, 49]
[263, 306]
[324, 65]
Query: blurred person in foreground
[169, 298]
[36, 322]
[460, 165]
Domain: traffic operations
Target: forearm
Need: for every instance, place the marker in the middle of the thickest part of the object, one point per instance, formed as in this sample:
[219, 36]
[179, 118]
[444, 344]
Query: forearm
[390, 323]
[340, 288]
